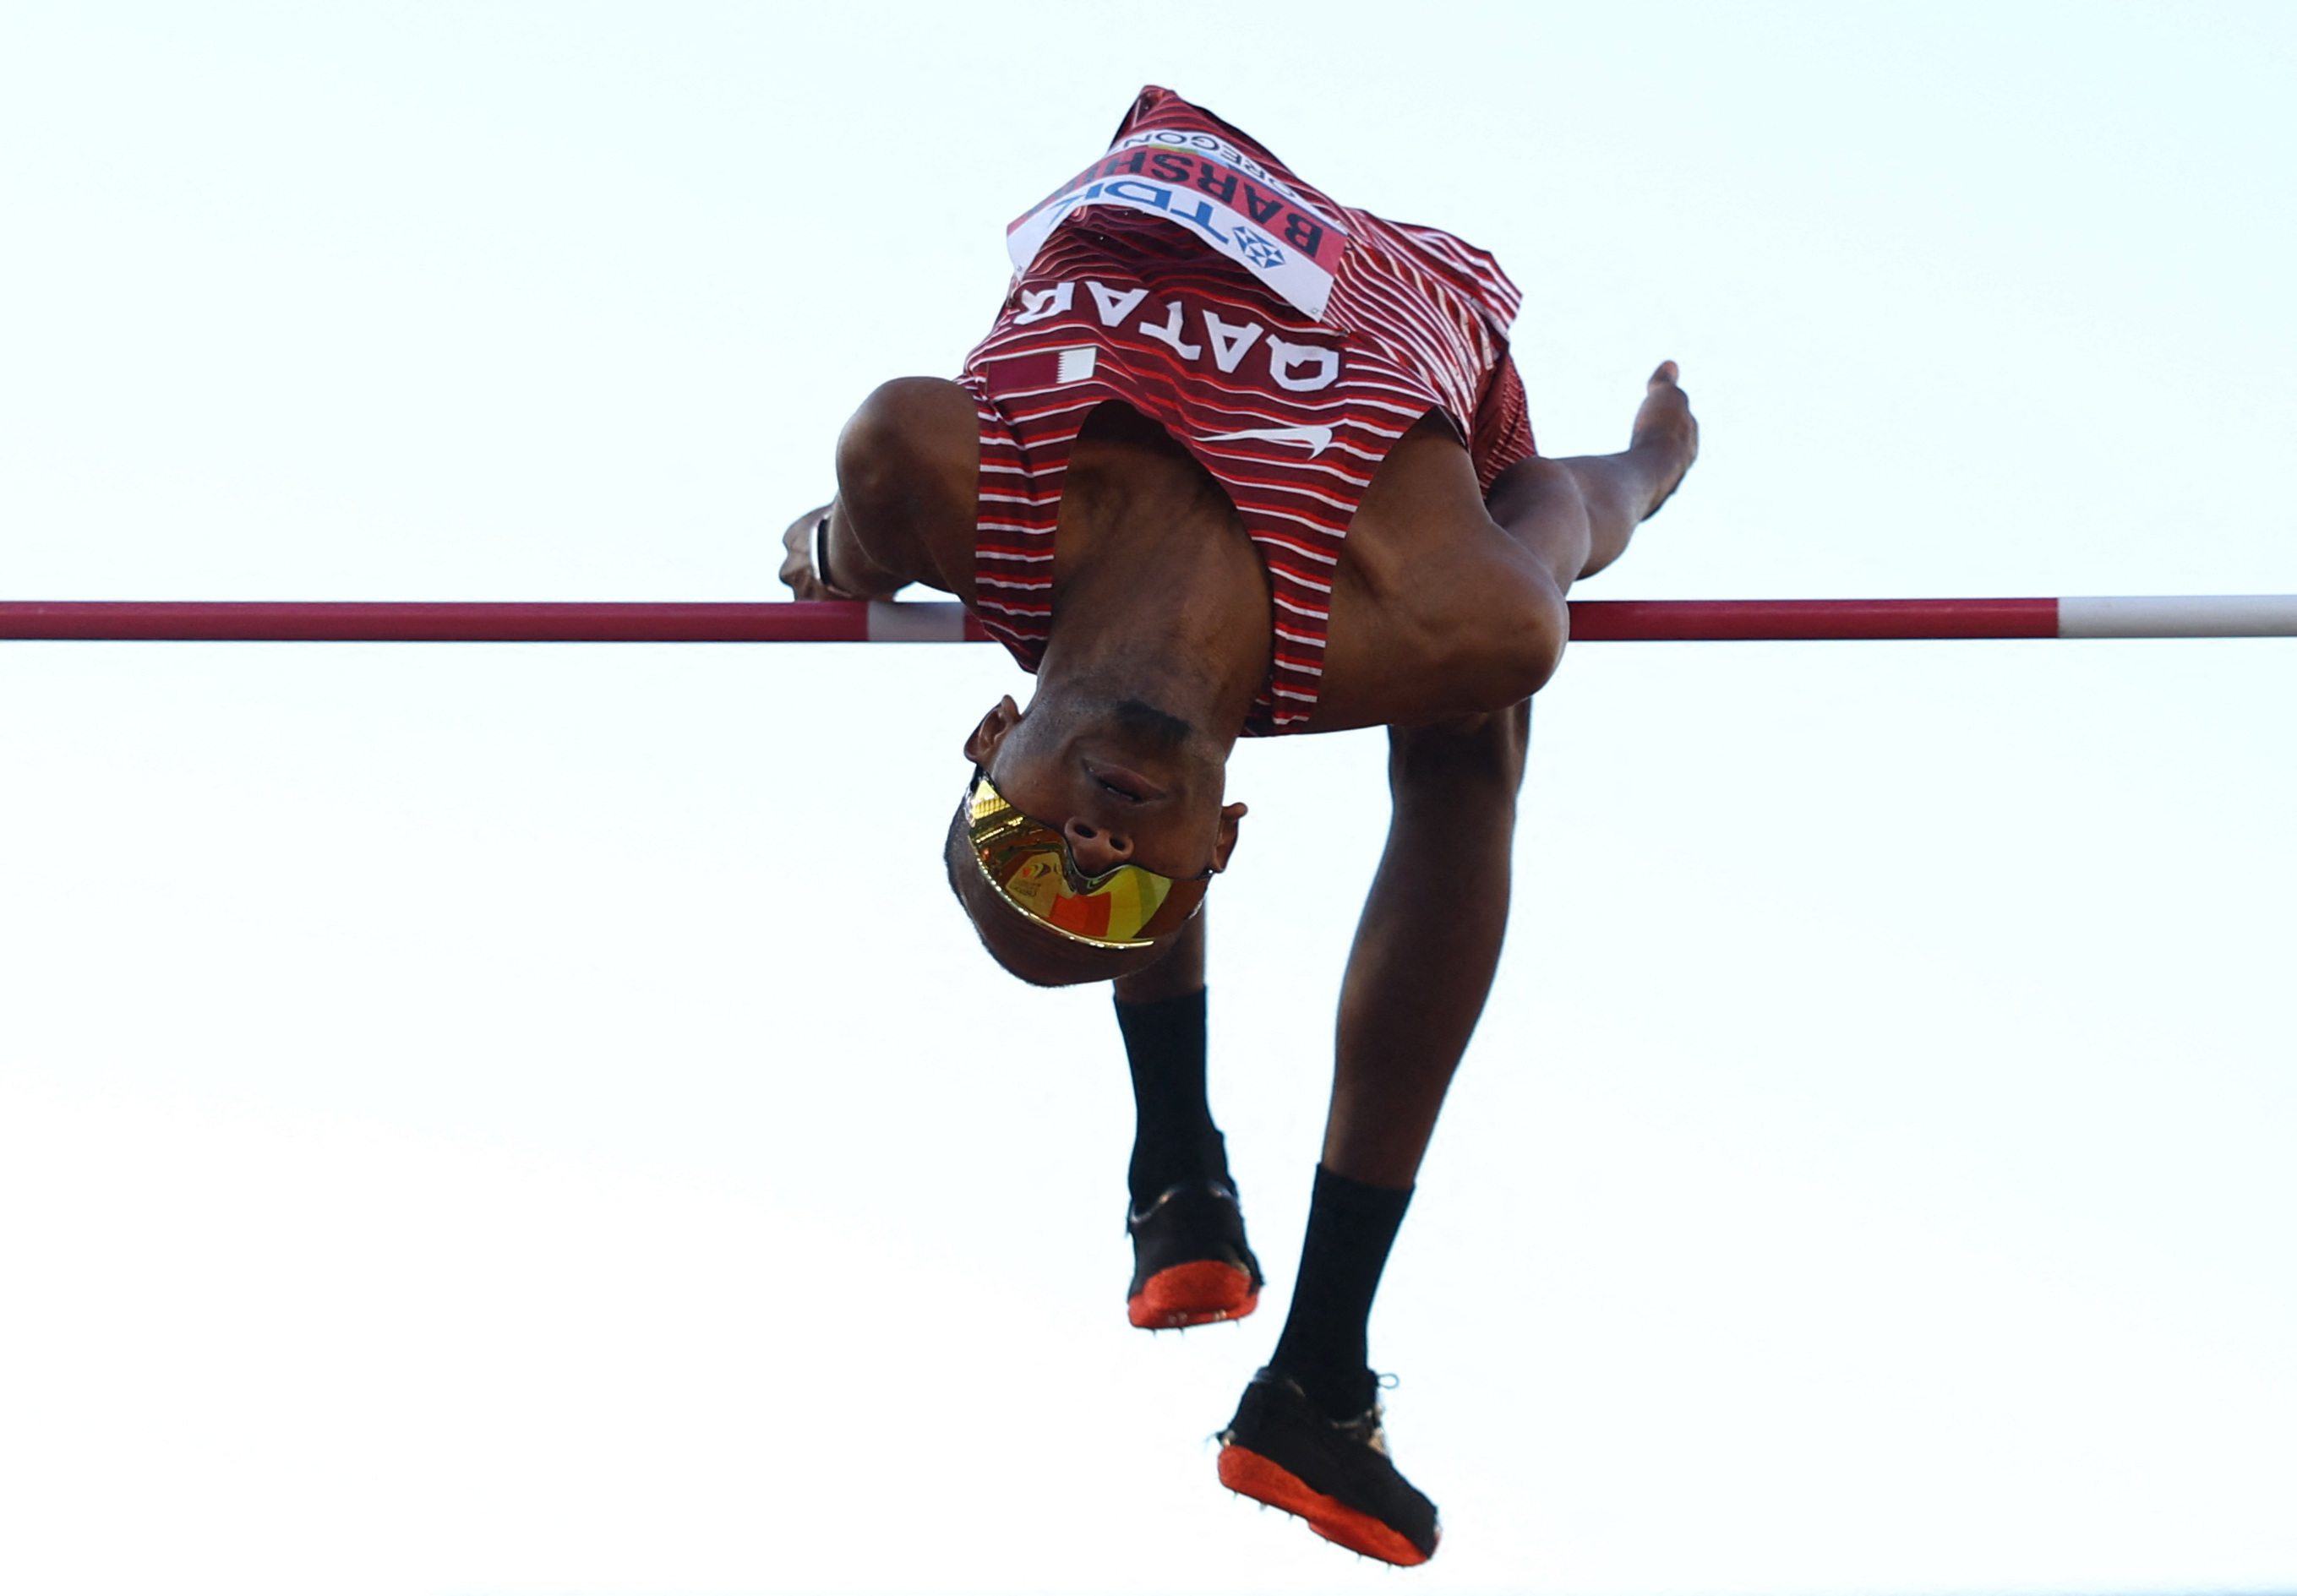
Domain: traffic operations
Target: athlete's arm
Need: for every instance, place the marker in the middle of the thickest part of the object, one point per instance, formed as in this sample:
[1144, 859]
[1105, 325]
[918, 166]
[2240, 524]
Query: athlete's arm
[904, 512]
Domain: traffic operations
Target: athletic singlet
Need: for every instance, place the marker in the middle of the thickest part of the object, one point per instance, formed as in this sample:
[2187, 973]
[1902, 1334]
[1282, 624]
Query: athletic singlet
[1286, 341]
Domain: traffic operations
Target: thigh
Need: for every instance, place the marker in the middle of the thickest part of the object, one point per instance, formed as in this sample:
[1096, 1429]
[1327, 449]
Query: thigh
[1436, 610]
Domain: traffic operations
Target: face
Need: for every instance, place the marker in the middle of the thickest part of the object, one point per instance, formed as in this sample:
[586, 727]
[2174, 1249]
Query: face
[1123, 790]
[1037, 955]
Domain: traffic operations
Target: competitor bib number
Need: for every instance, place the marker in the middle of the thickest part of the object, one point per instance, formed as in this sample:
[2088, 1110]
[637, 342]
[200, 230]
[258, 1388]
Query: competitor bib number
[1214, 190]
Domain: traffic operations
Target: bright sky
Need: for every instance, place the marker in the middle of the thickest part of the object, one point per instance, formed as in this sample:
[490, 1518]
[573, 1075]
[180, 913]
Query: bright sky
[524, 1120]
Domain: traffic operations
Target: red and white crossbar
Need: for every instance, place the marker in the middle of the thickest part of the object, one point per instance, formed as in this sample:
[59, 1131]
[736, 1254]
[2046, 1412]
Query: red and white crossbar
[1607, 620]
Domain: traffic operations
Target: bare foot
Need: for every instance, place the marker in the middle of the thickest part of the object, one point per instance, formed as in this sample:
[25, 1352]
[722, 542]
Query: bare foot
[1666, 434]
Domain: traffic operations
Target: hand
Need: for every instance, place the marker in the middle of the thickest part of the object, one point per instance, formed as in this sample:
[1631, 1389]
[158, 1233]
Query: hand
[798, 574]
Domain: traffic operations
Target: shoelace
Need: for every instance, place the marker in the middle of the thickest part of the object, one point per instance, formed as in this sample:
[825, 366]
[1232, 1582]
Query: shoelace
[1366, 1426]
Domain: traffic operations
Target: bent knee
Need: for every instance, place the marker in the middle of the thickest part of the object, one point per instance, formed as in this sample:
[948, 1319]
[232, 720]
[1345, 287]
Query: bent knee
[1482, 752]
[1543, 627]
[1512, 641]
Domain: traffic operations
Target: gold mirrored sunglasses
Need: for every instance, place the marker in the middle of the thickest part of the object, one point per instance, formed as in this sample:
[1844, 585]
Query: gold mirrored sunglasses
[1029, 864]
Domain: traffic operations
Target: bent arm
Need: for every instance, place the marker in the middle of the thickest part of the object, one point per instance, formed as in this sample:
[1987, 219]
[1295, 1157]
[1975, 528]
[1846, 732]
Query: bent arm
[907, 464]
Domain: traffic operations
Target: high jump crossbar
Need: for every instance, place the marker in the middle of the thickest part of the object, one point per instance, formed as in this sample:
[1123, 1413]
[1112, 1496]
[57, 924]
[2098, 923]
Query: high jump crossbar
[1607, 620]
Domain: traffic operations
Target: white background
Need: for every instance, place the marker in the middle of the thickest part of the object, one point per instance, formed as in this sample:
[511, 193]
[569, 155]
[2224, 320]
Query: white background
[522, 1120]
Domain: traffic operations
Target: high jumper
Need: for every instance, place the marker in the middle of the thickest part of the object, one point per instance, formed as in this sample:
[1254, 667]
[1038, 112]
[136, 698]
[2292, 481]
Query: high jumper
[1304, 497]
[1238, 460]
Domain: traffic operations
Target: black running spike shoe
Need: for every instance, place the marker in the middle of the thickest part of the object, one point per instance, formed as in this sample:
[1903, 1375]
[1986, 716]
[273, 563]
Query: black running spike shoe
[1280, 1449]
[1190, 1263]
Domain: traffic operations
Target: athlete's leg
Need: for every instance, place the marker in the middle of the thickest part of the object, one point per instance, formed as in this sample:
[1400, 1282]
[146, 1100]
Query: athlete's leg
[1306, 1437]
[1431, 590]
[1429, 942]
[1429, 939]
[1191, 1262]
[1577, 513]
[1422, 964]
[1161, 1012]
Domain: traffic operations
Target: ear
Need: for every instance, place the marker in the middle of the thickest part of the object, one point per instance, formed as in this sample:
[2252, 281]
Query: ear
[982, 743]
[1225, 844]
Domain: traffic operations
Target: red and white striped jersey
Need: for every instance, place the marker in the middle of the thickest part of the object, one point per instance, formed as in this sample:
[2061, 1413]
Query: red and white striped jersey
[1285, 340]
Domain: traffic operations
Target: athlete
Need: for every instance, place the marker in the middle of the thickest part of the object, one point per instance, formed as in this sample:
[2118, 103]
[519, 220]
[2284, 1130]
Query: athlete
[1237, 460]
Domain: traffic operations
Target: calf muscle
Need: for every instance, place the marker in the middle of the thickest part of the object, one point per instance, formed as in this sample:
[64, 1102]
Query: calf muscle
[1428, 943]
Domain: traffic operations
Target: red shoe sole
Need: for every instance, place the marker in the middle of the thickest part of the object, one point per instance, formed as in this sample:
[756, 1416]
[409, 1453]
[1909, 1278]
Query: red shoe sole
[1188, 1294]
[1249, 1474]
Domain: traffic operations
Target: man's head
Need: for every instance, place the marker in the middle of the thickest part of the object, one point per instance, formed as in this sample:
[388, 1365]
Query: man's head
[1122, 783]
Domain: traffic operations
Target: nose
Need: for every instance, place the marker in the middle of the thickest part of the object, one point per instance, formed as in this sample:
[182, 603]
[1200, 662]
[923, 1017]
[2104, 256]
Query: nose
[1095, 850]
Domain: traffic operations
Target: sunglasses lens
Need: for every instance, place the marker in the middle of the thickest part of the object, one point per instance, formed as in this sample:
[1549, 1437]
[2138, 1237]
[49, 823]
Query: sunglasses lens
[1114, 911]
[1025, 862]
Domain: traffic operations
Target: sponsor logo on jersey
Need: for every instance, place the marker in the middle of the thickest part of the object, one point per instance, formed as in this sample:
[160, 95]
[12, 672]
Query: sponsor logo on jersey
[1316, 440]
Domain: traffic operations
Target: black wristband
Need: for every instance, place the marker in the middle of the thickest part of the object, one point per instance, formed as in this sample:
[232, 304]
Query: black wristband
[821, 553]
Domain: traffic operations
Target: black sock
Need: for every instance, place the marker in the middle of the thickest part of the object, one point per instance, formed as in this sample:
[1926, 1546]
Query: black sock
[1351, 1226]
[1174, 1140]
